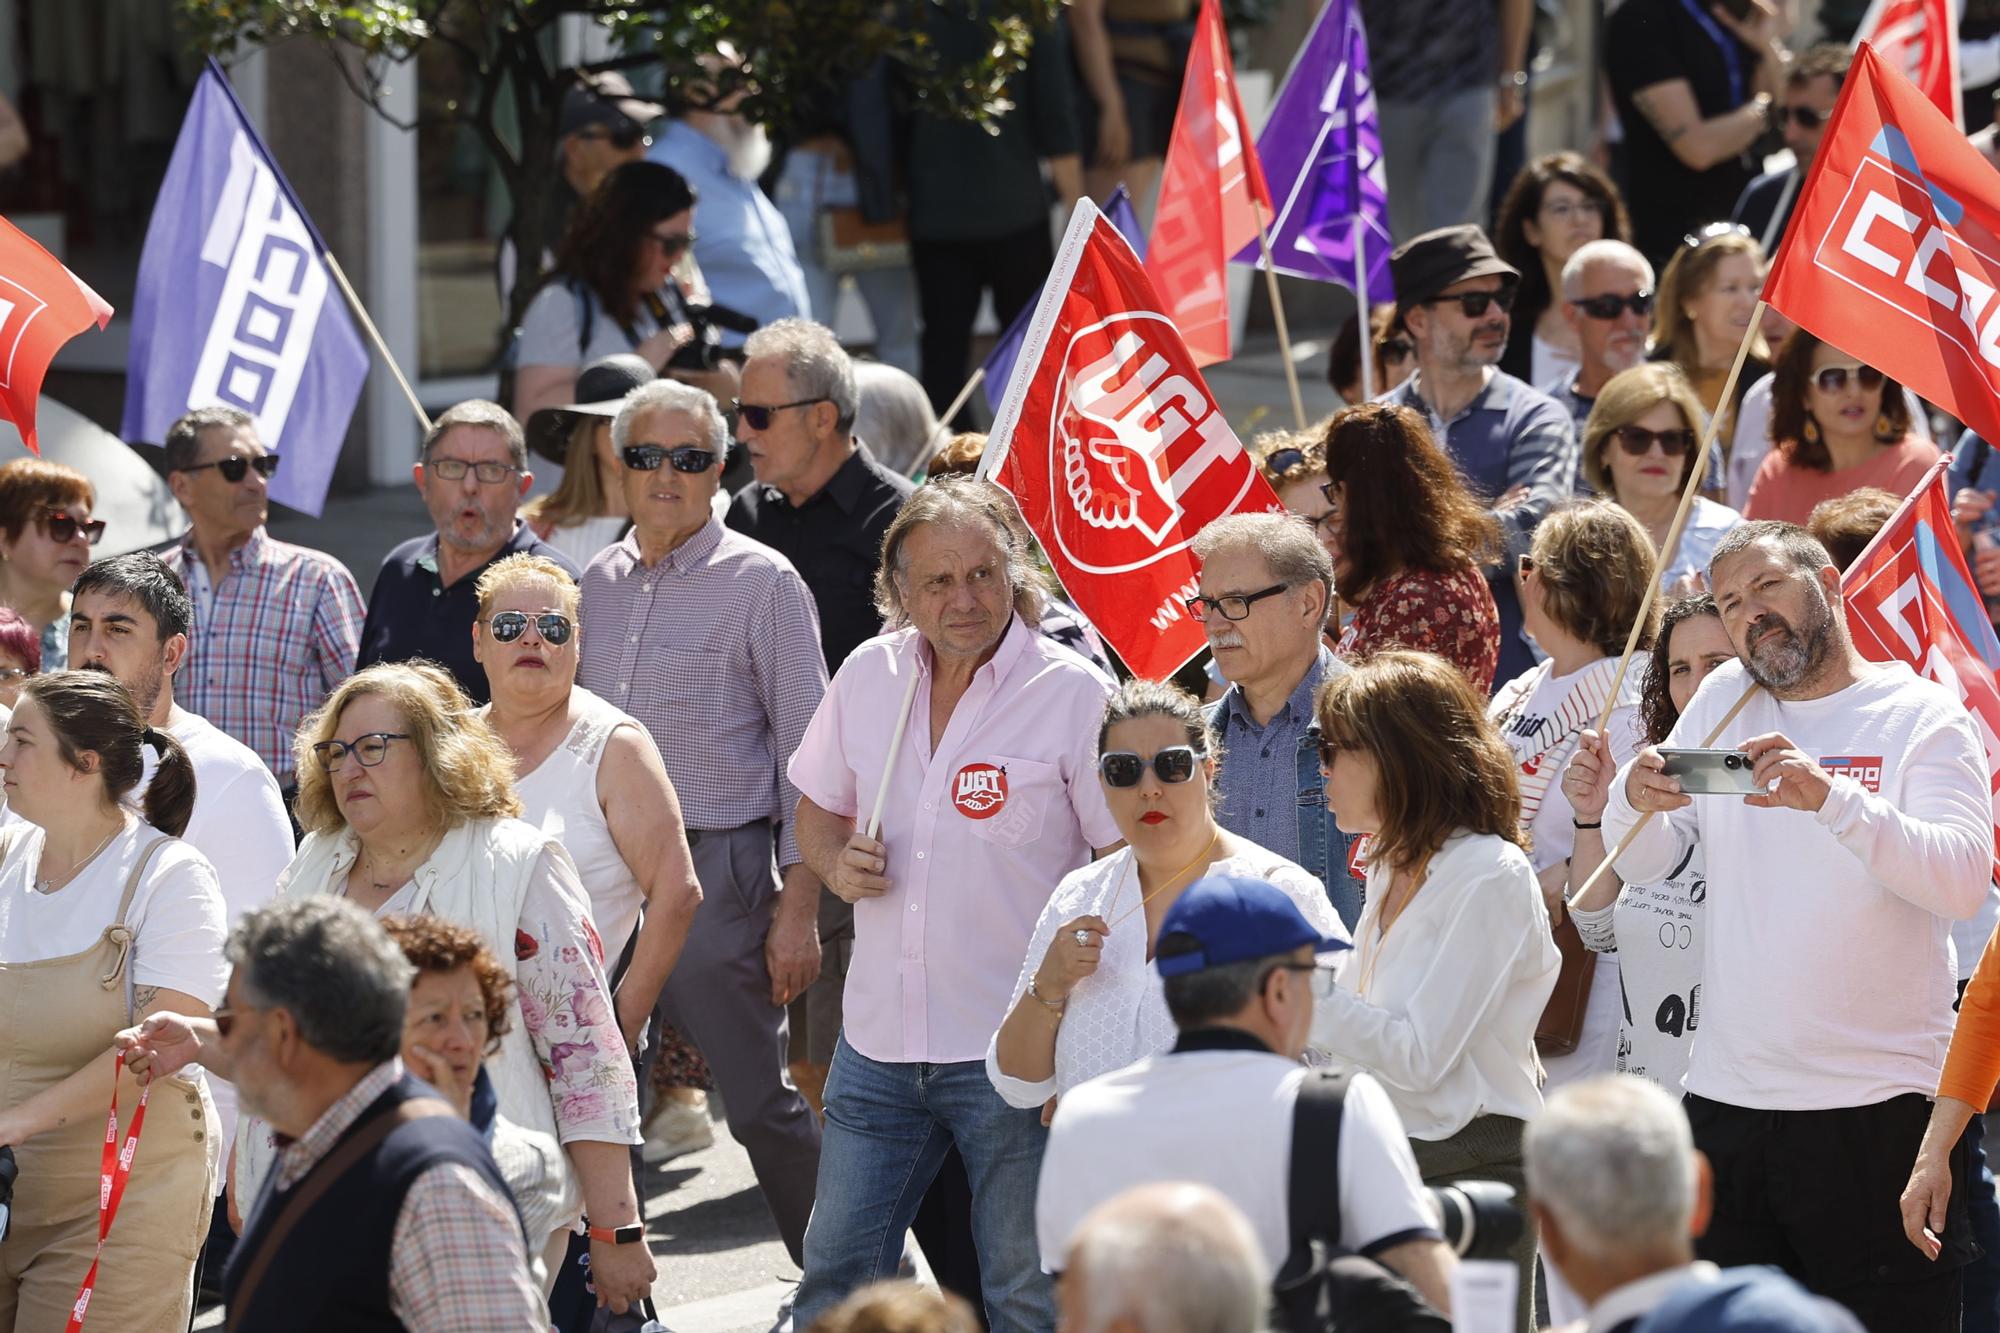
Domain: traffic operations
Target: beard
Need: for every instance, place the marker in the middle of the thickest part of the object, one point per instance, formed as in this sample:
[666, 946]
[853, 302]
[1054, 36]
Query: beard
[747, 146]
[145, 688]
[1794, 656]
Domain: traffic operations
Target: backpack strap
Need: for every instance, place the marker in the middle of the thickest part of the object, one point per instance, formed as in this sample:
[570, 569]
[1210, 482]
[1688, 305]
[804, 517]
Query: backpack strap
[1313, 1203]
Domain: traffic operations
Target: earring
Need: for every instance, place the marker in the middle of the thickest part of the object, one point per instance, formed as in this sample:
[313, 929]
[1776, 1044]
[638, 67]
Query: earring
[1811, 431]
[1884, 430]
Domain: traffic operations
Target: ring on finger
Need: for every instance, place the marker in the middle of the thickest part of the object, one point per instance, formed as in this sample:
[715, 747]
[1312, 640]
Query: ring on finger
[1082, 938]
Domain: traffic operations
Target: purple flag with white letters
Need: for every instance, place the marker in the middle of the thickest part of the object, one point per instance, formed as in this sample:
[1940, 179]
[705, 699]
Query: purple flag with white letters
[1322, 153]
[234, 306]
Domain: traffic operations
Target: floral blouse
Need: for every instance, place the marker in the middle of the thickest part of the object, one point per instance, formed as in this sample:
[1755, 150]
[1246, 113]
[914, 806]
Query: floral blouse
[1452, 615]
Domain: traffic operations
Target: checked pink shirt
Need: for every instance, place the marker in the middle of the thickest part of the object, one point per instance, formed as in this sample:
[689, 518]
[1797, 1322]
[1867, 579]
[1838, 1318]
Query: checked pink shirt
[980, 828]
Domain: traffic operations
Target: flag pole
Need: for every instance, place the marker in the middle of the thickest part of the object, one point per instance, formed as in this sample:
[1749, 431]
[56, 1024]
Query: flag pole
[895, 749]
[1364, 319]
[978, 378]
[1278, 316]
[1696, 475]
[375, 336]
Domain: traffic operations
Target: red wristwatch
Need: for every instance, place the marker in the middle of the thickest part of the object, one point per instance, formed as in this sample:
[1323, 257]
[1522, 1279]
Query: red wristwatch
[626, 1235]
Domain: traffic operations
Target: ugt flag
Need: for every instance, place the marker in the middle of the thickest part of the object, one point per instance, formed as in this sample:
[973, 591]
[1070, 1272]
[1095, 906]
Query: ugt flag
[234, 306]
[42, 306]
[1910, 598]
[1920, 38]
[999, 364]
[1115, 449]
[1210, 190]
[1323, 147]
[1894, 251]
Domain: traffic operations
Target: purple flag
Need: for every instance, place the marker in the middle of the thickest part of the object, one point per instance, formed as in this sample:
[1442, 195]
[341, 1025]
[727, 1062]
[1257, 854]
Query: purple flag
[1000, 361]
[1322, 153]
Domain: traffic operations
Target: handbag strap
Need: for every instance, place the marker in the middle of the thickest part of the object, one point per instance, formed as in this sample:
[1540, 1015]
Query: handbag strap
[1313, 1201]
[317, 1182]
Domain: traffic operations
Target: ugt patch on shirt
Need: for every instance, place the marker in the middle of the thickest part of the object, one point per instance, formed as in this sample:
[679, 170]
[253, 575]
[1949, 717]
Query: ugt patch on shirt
[979, 791]
[1864, 769]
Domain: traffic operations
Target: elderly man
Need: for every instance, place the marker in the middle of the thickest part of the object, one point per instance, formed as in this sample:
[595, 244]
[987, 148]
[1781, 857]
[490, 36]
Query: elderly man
[1607, 297]
[1812, 86]
[1870, 833]
[1509, 442]
[384, 1209]
[709, 640]
[275, 625]
[1266, 584]
[472, 473]
[1618, 1193]
[992, 797]
[1171, 1258]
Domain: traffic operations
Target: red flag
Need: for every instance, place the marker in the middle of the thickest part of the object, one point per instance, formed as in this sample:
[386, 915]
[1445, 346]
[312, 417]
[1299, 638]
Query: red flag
[1910, 598]
[1920, 38]
[1207, 189]
[1116, 451]
[42, 306]
[1893, 254]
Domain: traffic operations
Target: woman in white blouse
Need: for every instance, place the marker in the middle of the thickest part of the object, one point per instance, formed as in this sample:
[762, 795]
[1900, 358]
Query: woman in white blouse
[1088, 1001]
[1453, 961]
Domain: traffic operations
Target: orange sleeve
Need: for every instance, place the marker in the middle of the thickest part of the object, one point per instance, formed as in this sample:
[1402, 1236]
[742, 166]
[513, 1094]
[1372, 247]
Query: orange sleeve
[1972, 1066]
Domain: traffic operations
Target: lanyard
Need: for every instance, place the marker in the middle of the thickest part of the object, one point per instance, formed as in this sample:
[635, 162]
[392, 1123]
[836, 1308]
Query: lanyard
[1732, 59]
[111, 1181]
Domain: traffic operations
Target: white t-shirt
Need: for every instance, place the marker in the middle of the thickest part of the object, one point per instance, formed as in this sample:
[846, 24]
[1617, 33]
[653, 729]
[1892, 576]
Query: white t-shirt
[1223, 1118]
[175, 917]
[584, 540]
[239, 822]
[1829, 980]
[1659, 930]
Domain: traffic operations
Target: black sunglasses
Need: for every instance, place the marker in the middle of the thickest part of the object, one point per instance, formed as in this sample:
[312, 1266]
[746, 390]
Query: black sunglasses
[1230, 607]
[1395, 349]
[62, 528]
[1330, 750]
[553, 626]
[1636, 440]
[1802, 116]
[1834, 378]
[758, 417]
[675, 244]
[225, 1020]
[1122, 768]
[648, 457]
[1474, 303]
[236, 467]
[1610, 305]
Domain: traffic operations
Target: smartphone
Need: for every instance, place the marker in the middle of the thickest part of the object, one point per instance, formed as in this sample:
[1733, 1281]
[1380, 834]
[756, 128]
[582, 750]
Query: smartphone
[1712, 772]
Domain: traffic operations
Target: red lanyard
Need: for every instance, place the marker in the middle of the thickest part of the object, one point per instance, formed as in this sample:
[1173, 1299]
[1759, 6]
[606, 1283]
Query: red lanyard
[111, 1180]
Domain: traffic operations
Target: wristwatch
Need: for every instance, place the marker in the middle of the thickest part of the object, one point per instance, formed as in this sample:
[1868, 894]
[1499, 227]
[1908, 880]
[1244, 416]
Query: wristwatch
[626, 1235]
[1518, 80]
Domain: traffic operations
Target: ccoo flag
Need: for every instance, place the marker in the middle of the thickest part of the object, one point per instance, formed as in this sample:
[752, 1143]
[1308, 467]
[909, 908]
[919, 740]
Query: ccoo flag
[1919, 37]
[42, 306]
[234, 306]
[1322, 149]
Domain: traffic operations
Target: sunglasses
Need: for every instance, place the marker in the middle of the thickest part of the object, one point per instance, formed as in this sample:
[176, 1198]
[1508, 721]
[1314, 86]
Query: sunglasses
[1637, 440]
[1331, 750]
[1122, 768]
[674, 244]
[1802, 116]
[225, 1021]
[648, 457]
[1395, 349]
[1231, 607]
[1474, 303]
[626, 136]
[63, 529]
[1610, 305]
[1833, 379]
[758, 417]
[554, 627]
[236, 467]
[368, 750]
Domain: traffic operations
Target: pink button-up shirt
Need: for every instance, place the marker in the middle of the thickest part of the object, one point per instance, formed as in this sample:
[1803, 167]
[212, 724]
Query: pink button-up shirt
[980, 827]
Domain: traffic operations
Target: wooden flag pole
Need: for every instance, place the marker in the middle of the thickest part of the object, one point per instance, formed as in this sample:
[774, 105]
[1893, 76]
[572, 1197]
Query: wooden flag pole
[1278, 317]
[978, 378]
[374, 335]
[1696, 475]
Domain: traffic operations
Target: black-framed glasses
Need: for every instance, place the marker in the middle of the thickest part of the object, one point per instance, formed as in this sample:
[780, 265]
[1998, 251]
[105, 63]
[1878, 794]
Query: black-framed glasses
[236, 467]
[1714, 231]
[1324, 976]
[1610, 305]
[648, 457]
[623, 137]
[1233, 606]
[554, 627]
[1833, 379]
[1396, 349]
[368, 751]
[1802, 116]
[1637, 440]
[1474, 304]
[63, 528]
[673, 244]
[1284, 460]
[1122, 768]
[454, 469]
[757, 416]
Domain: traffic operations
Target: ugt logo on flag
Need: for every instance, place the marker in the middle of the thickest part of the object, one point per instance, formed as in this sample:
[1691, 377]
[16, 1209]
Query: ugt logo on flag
[235, 308]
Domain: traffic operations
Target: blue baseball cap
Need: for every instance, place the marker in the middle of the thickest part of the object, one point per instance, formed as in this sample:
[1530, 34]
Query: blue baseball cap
[1232, 919]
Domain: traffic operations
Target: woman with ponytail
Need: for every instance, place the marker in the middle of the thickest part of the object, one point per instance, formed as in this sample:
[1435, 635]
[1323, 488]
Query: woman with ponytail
[105, 917]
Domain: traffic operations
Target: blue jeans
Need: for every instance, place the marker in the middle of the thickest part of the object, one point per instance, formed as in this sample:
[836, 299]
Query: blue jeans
[887, 1128]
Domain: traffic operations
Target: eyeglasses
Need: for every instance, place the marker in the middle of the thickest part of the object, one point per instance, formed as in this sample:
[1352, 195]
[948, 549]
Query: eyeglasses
[1324, 976]
[554, 627]
[62, 528]
[236, 467]
[1122, 768]
[1332, 750]
[648, 457]
[626, 136]
[1610, 304]
[1474, 303]
[1637, 440]
[1396, 349]
[1802, 116]
[758, 417]
[1714, 231]
[1233, 606]
[13, 673]
[225, 1021]
[1284, 460]
[673, 244]
[1833, 379]
[368, 750]
[454, 469]
[1565, 209]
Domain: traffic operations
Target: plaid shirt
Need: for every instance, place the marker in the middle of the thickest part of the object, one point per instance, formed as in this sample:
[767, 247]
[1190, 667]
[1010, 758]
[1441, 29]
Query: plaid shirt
[280, 631]
[715, 651]
[457, 1261]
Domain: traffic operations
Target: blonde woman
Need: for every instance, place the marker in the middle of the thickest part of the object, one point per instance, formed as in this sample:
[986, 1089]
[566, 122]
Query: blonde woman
[1639, 447]
[1707, 295]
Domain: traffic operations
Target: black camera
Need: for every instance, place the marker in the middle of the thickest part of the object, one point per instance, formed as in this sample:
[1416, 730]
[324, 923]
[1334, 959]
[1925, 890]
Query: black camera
[1481, 1218]
[1734, 760]
[9, 1169]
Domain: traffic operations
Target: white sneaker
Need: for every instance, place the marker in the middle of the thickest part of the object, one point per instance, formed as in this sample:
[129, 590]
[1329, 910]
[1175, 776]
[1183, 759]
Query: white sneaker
[678, 1129]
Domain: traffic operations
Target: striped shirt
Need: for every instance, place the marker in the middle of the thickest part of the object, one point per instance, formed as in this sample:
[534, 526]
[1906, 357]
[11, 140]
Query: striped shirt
[270, 640]
[714, 650]
[457, 1261]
